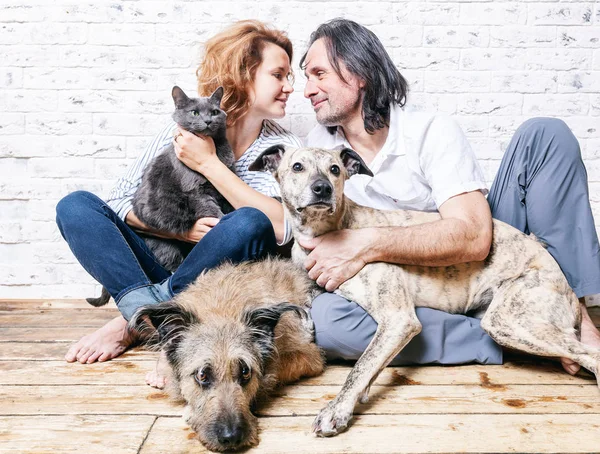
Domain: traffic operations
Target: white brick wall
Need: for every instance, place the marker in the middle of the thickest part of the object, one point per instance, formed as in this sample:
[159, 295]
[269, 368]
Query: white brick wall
[83, 87]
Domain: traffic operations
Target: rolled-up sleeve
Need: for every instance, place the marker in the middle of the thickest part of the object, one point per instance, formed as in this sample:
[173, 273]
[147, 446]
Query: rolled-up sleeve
[121, 196]
[448, 161]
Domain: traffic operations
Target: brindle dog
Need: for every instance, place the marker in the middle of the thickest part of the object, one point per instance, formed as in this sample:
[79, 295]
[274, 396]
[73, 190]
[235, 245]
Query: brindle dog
[229, 339]
[519, 290]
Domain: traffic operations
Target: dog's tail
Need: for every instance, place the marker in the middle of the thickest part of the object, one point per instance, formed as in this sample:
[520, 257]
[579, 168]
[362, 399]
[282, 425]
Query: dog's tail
[101, 300]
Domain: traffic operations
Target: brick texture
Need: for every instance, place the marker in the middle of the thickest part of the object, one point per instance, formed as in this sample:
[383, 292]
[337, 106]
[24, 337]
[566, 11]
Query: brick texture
[85, 85]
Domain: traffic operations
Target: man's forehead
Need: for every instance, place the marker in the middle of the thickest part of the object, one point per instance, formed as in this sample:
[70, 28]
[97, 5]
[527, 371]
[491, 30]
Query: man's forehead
[316, 55]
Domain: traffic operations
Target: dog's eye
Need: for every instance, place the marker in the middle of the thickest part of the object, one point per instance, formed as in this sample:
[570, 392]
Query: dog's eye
[202, 376]
[195, 113]
[246, 373]
[297, 167]
[335, 170]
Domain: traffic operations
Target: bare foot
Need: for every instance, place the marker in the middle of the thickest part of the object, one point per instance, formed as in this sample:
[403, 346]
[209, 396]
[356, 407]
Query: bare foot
[106, 343]
[589, 336]
[156, 380]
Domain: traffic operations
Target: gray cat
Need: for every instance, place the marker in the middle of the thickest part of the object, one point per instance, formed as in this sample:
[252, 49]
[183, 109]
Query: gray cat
[171, 196]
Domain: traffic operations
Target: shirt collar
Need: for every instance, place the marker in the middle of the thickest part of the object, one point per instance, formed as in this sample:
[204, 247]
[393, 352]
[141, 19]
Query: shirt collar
[391, 145]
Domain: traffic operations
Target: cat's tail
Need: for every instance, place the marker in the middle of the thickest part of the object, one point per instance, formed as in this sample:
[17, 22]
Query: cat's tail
[101, 300]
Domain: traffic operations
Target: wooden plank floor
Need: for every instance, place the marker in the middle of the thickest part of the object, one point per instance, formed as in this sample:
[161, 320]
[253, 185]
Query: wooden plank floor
[48, 405]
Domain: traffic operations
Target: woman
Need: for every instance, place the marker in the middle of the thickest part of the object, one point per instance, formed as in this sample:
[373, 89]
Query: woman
[252, 63]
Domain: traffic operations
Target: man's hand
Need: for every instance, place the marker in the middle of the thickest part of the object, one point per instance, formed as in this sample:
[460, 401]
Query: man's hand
[200, 228]
[337, 256]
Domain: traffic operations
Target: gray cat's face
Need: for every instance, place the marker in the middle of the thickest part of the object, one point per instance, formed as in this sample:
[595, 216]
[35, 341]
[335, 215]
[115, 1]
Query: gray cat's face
[199, 115]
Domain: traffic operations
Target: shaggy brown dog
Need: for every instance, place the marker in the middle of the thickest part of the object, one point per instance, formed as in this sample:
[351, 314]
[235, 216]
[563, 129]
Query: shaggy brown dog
[229, 339]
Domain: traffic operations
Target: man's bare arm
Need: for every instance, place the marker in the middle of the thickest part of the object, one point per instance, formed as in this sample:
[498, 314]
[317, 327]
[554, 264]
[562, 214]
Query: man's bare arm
[464, 234]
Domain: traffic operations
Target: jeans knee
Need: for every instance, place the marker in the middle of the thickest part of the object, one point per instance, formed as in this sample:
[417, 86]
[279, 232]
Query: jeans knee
[252, 223]
[72, 207]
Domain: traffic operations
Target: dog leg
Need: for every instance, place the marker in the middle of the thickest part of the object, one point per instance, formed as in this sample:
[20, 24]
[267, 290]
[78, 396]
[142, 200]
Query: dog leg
[158, 377]
[539, 322]
[299, 356]
[396, 327]
[307, 362]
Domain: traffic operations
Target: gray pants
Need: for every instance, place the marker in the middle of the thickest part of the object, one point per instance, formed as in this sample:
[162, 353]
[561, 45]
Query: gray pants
[541, 188]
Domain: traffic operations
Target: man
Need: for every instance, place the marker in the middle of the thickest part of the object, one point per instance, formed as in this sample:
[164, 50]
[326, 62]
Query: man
[423, 161]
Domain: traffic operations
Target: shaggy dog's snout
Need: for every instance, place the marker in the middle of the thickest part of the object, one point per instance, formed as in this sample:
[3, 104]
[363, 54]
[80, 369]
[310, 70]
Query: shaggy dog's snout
[231, 431]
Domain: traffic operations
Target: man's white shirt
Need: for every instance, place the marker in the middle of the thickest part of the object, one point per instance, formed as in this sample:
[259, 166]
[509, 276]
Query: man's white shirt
[425, 160]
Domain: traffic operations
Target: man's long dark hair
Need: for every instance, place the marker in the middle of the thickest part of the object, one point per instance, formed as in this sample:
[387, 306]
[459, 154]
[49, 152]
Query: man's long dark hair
[365, 57]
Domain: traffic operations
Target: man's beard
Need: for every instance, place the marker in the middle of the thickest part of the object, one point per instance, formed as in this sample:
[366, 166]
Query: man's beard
[339, 116]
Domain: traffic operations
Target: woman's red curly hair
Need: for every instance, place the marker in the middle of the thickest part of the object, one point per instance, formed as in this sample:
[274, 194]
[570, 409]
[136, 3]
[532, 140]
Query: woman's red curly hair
[230, 61]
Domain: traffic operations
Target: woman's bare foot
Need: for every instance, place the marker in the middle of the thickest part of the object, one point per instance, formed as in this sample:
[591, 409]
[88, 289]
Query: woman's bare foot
[106, 343]
[589, 336]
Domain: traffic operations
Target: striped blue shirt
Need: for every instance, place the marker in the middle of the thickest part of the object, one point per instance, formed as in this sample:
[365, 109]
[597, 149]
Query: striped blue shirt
[121, 196]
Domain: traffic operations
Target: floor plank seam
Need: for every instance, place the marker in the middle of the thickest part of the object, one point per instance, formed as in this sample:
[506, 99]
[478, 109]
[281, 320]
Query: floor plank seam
[147, 435]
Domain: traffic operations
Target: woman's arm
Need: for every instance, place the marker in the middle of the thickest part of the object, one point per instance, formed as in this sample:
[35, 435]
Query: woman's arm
[237, 193]
[195, 234]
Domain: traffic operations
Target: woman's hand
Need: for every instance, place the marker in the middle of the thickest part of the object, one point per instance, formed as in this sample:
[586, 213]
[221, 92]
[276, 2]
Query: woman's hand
[200, 228]
[196, 152]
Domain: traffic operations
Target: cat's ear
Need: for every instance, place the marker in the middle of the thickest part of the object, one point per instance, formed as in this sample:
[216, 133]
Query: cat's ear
[268, 160]
[179, 97]
[217, 96]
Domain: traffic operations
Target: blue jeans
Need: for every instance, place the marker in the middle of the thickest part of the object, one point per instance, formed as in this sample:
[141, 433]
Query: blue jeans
[117, 257]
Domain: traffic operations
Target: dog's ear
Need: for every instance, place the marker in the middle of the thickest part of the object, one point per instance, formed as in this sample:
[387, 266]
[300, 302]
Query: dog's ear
[263, 321]
[269, 159]
[168, 319]
[217, 96]
[179, 97]
[354, 163]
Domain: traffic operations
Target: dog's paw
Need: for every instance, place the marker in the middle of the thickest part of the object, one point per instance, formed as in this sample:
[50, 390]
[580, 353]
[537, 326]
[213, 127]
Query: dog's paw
[188, 414]
[363, 398]
[331, 420]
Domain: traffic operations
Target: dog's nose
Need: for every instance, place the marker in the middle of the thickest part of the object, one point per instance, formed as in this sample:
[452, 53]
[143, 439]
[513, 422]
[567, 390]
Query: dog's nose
[231, 433]
[322, 188]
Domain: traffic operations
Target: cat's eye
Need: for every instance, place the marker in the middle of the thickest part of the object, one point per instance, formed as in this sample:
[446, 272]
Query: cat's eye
[297, 167]
[214, 113]
[202, 376]
[335, 170]
[246, 373]
[195, 113]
